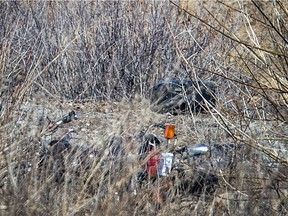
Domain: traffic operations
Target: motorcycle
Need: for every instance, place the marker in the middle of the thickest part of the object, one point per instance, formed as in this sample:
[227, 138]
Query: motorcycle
[189, 169]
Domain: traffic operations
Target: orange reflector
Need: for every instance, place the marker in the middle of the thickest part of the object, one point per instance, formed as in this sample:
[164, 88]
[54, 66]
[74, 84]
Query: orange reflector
[169, 131]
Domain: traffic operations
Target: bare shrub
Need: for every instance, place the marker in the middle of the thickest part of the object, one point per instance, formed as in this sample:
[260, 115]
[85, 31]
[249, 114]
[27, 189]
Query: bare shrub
[255, 107]
[101, 58]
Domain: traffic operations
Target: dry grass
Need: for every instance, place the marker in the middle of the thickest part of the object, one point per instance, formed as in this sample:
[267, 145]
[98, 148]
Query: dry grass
[100, 59]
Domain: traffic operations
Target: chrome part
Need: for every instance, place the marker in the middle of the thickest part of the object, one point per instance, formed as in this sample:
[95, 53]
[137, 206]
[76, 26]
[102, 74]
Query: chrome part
[200, 149]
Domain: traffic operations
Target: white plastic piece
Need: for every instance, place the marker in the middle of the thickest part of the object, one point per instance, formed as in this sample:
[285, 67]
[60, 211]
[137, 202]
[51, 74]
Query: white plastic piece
[165, 164]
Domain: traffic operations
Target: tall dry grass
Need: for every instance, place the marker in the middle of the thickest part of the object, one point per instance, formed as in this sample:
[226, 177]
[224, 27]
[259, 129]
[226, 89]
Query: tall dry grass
[255, 107]
[101, 58]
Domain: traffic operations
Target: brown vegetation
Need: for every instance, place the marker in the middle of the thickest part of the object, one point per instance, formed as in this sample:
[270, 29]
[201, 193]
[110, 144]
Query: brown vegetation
[100, 59]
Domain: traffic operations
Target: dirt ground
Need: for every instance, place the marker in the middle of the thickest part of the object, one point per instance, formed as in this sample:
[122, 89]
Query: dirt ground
[99, 122]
